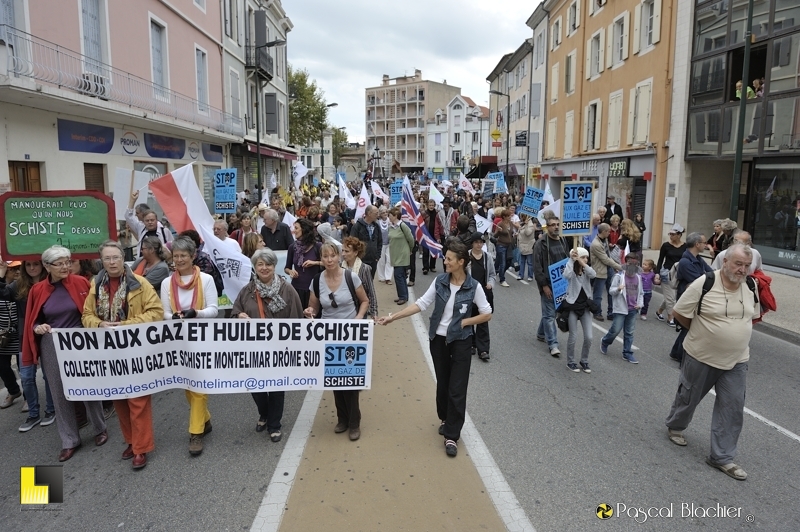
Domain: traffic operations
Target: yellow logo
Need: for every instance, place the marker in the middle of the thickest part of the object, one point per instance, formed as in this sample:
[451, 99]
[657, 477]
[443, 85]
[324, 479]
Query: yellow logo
[41, 485]
[604, 511]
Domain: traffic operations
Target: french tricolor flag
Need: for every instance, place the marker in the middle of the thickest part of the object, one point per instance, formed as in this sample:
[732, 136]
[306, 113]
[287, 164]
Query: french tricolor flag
[179, 196]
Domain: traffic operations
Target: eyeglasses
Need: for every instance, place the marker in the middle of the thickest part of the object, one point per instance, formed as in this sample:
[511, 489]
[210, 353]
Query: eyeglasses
[741, 302]
[334, 304]
[62, 264]
[115, 258]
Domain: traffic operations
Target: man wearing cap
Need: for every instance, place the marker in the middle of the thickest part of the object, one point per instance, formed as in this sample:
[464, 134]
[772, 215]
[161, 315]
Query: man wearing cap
[612, 208]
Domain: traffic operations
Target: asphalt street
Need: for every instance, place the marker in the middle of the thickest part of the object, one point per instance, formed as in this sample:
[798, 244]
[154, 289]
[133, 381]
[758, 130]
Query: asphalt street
[565, 442]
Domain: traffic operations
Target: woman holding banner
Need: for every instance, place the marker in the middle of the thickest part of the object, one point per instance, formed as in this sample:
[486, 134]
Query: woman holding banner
[118, 296]
[57, 302]
[452, 295]
[190, 293]
[267, 296]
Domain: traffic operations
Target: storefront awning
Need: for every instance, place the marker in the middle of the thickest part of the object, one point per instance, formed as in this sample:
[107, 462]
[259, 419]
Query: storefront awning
[479, 172]
[272, 152]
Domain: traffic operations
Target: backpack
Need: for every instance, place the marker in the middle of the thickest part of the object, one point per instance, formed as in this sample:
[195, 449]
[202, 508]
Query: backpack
[709, 282]
[350, 286]
[673, 276]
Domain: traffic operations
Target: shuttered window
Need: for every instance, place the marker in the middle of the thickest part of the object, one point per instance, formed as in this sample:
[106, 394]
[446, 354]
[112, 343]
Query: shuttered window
[90, 9]
[201, 65]
[157, 57]
[93, 177]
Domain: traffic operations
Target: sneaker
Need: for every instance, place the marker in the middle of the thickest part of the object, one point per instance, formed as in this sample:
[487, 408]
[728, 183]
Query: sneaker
[630, 358]
[530, 279]
[276, 436]
[504, 284]
[671, 323]
[660, 317]
[603, 348]
[29, 424]
[541, 338]
[441, 429]
[10, 398]
[555, 352]
[196, 444]
[572, 366]
[484, 356]
[410, 283]
[644, 318]
[599, 317]
[474, 350]
[450, 447]
[340, 427]
[48, 419]
[585, 367]
[25, 407]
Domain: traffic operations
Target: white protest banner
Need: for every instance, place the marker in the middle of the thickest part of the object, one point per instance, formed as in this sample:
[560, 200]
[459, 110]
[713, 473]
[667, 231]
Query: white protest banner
[464, 184]
[344, 193]
[289, 219]
[435, 195]
[482, 225]
[215, 357]
[363, 202]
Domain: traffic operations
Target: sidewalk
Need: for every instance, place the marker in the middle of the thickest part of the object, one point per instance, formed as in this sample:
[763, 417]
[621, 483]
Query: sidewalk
[786, 289]
[397, 476]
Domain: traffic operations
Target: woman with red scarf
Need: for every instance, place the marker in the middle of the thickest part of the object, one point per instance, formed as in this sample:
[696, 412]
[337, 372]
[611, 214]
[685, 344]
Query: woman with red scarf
[189, 293]
[57, 302]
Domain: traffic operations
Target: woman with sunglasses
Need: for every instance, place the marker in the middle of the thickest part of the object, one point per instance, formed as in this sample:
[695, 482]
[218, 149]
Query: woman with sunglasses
[58, 303]
[336, 301]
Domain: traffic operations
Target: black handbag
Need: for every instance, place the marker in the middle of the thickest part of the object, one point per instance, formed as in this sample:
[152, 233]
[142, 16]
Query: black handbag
[562, 320]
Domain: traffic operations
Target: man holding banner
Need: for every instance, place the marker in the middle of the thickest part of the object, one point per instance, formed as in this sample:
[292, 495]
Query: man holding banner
[119, 297]
[548, 251]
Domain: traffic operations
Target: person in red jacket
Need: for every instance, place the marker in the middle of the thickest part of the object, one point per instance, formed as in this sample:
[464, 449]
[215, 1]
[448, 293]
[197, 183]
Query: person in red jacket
[57, 302]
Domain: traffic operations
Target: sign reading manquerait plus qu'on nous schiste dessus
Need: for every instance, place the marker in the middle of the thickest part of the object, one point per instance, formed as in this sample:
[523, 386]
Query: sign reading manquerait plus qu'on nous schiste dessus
[31, 222]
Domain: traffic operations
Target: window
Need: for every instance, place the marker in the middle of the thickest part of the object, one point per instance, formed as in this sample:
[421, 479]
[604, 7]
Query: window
[437, 139]
[711, 28]
[523, 105]
[569, 129]
[596, 5]
[201, 65]
[158, 56]
[536, 99]
[592, 122]
[552, 127]
[614, 120]
[708, 80]
[574, 16]
[594, 54]
[475, 154]
[475, 137]
[618, 33]
[540, 50]
[554, 84]
[230, 13]
[639, 114]
[647, 25]
[569, 72]
[785, 70]
[787, 15]
[457, 120]
[457, 138]
[92, 37]
[457, 107]
[437, 156]
[420, 157]
[201, 4]
[235, 99]
[555, 35]
[457, 158]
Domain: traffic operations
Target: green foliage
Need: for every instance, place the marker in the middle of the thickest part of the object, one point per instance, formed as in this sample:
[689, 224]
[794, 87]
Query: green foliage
[308, 114]
[339, 144]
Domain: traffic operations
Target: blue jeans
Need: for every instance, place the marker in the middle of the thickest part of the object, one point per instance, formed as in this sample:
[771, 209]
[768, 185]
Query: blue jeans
[610, 277]
[400, 282]
[516, 255]
[547, 325]
[598, 289]
[28, 375]
[626, 322]
[500, 261]
[525, 259]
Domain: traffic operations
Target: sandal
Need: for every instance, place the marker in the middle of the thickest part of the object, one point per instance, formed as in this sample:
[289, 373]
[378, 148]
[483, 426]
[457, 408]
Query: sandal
[261, 425]
[676, 437]
[450, 447]
[388, 282]
[731, 469]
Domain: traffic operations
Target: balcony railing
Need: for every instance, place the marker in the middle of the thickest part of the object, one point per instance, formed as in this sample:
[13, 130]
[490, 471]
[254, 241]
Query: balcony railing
[32, 57]
[259, 59]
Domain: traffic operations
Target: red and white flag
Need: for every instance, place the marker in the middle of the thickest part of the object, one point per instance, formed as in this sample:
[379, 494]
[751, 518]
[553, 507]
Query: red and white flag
[179, 196]
[464, 184]
[625, 252]
[378, 191]
[363, 201]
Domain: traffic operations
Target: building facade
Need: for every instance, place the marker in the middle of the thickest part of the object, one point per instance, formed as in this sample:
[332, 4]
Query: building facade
[538, 22]
[609, 99]
[457, 137]
[709, 60]
[397, 112]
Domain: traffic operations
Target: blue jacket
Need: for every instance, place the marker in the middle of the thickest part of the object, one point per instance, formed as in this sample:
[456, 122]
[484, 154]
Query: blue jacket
[689, 269]
[463, 302]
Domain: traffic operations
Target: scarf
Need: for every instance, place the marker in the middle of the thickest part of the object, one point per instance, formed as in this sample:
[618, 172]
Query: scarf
[194, 284]
[112, 308]
[355, 268]
[271, 292]
[300, 251]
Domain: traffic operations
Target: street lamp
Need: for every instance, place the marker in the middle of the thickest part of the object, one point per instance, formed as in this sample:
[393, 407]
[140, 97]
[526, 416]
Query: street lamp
[278, 42]
[508, 123]
[322, 145]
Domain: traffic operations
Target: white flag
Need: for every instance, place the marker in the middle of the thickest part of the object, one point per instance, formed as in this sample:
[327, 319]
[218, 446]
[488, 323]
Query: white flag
[771, 189]
[464, 184]
[344, 193]
[273, 182]
[363, 201]
[435, 195]
[289, 219]
[446, 184]
[482, 224]
[548, 194]
[298, 174]
[378, 191]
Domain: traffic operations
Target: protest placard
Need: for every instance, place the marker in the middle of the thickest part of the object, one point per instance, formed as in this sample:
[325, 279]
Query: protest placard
[488, 188]
[532, 201]
[215, 357]
[225, 191]
[557, 282]
[31, 222]
[576, 202]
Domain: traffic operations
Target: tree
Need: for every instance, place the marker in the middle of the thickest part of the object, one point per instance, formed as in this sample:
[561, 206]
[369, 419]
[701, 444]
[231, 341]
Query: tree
[339, 143]
[308, 114]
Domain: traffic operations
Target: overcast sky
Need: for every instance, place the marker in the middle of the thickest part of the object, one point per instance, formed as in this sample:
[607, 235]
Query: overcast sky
[347, 45]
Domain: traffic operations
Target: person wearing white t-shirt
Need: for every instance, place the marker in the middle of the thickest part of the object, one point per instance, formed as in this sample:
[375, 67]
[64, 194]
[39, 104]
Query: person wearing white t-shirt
[221, 232]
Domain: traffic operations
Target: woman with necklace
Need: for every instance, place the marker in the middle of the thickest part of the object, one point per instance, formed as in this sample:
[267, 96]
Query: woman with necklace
[452, 295]
[267, 296]
[302, 259]
[190, 293]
